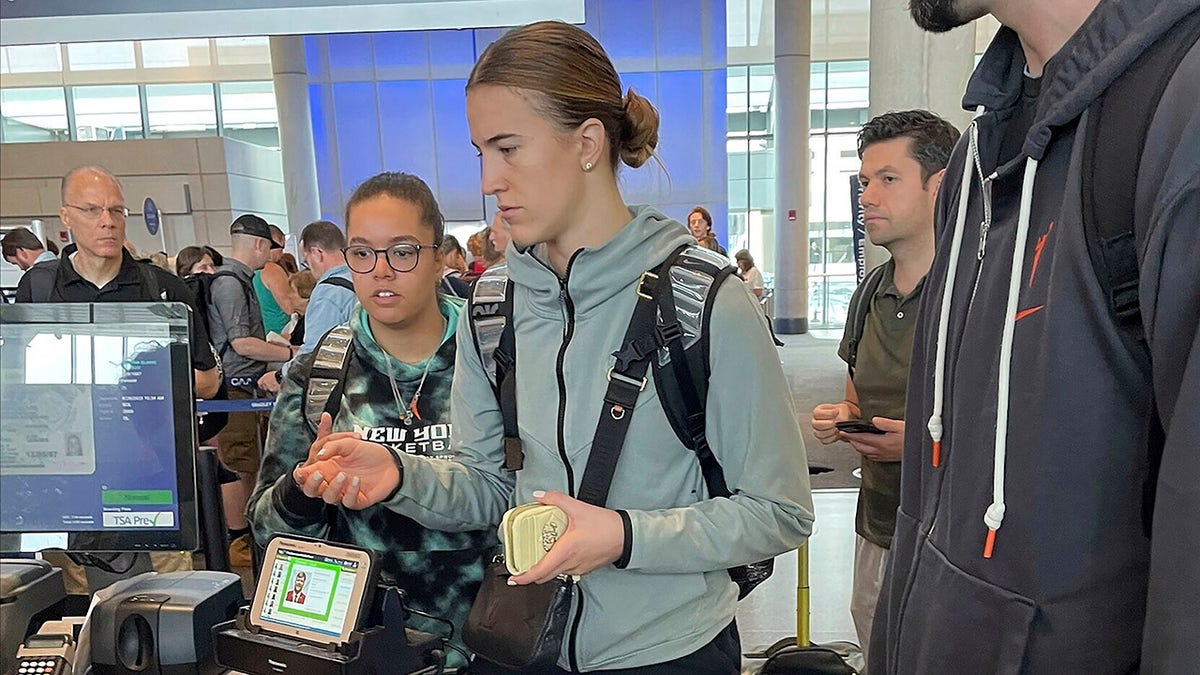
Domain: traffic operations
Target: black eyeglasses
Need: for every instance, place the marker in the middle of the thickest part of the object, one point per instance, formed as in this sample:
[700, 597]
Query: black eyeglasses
[401, 257]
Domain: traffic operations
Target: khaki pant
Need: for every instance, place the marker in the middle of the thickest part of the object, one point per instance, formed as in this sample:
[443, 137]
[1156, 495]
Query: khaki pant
[239, 443]
[870, 563]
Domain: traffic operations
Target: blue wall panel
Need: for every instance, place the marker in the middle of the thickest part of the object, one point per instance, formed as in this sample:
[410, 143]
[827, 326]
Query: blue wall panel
[357, 114]
[681, 96]
[679, 34]
[451, 53]
[351, 57]
[457, 163]
[627, 34]
[401, 56]
[329, 186]
[406, 128]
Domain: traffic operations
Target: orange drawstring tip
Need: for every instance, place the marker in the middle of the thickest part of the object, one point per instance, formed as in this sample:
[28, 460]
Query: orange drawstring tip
[989, 544]
[937, 454]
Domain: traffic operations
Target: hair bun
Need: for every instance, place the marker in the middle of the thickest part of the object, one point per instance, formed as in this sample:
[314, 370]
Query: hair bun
[639, 135]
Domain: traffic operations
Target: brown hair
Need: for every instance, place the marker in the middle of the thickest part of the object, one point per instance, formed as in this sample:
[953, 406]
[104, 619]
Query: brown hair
[187, 258]
[573, 80]
[407, 188]
[703, 214]
[20, 238]
[303, 282]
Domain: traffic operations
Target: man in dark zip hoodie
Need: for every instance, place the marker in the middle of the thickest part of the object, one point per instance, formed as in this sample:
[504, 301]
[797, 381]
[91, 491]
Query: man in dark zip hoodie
[1023, 539]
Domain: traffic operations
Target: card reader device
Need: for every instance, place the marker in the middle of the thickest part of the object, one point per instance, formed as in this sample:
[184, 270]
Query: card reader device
[316, 611]
[49, 652]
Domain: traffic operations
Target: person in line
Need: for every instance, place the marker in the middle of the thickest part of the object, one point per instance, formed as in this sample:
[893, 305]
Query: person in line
[903, 155]
[22, 248]
[397, 387]
[98, 268]
[235, 319]
[302, 284]
[194, 260]
[321, 244]
[546, 111]
[454, 264]
[1048, 501]
[699, 222]
[271, 286]
[748, 272]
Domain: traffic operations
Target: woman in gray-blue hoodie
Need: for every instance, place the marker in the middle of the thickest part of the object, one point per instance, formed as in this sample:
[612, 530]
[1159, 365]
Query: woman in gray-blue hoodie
[547, 114]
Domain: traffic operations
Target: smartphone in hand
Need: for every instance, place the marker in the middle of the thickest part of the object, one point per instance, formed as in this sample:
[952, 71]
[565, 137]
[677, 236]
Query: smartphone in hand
[858, 427]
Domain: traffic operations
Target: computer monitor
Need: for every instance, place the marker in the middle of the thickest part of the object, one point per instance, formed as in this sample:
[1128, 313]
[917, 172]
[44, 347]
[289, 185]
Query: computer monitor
[97, 440]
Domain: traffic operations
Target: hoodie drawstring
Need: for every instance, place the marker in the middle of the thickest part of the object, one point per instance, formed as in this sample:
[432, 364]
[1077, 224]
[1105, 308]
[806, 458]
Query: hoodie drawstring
[939, 372]
[993, 517]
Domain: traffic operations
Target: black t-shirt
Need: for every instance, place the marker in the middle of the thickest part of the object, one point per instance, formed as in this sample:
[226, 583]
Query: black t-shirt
[66, 285]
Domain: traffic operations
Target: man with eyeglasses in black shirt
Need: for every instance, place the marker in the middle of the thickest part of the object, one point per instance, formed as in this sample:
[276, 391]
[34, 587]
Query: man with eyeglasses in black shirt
[97, 268]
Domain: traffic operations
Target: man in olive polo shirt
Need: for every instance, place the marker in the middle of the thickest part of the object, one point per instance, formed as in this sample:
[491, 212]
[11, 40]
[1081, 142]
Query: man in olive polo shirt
[903, 158]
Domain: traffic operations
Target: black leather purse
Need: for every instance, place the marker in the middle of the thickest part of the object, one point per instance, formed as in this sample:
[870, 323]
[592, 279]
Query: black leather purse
[518, 627]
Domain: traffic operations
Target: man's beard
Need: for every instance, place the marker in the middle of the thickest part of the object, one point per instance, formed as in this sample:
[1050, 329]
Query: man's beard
[937, 16]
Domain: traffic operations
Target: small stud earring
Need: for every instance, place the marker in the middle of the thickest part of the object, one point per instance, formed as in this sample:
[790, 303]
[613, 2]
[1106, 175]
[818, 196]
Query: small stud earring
[587, 167]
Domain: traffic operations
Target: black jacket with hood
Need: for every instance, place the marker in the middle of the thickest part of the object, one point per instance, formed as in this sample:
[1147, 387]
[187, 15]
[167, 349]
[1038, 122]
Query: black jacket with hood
[1075, 583]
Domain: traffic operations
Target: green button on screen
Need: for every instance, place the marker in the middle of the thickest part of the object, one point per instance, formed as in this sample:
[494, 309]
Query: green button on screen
[137, 497]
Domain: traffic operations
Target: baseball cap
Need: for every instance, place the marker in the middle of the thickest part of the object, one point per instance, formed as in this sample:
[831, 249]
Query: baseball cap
[254, 226]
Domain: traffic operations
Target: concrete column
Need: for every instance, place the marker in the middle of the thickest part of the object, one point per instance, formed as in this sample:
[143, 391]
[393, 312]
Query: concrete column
[295, 131]
[911, 68]
[793, 57]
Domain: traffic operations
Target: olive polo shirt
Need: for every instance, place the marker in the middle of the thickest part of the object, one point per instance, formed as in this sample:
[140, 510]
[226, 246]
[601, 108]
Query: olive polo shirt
[881, 380]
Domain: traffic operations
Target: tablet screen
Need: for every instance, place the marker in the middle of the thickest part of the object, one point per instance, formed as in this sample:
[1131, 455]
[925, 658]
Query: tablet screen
[311, 592]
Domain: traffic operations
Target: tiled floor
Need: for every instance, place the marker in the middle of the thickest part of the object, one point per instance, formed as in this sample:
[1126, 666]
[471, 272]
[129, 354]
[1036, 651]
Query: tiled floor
[769, 613]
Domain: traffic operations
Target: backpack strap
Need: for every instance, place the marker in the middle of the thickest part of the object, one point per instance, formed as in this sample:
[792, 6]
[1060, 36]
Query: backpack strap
[695, 278]
[339, 282]
[856, 314]
[684, 388]
[150, 285]
[626, 380]
[327, 377]
[491, 312]
[1118, 121]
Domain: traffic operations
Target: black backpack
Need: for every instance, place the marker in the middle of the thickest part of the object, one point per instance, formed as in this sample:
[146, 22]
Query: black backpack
[695, 275]
[200, 285]
[1117, 124]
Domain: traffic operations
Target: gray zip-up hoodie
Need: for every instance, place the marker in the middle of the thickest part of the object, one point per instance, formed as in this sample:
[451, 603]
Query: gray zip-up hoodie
[1040, 412]
[675, 595]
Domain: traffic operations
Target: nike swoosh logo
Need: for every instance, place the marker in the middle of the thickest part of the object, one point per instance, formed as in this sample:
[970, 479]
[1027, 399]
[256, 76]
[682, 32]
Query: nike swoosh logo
[1026, 312]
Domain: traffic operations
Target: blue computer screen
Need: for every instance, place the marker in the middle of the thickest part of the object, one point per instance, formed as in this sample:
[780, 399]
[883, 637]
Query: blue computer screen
[90, 428]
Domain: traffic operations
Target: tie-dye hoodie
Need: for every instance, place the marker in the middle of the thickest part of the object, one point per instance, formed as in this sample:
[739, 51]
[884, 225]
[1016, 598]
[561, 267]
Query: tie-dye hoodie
[439, 570]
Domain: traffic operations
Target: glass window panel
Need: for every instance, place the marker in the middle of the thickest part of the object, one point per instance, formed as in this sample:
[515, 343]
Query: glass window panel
[101, 56]
[175, 53]
[248, 104]
[33, 115]
[31, 59]
[243, 51]
[186, 110]
[107, 113]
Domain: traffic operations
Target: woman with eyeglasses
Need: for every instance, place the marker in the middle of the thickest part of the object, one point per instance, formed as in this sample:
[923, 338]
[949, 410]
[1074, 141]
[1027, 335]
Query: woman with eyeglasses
[396, 392]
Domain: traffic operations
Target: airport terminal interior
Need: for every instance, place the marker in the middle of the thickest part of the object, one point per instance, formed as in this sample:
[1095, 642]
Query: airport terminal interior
[232, 140]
